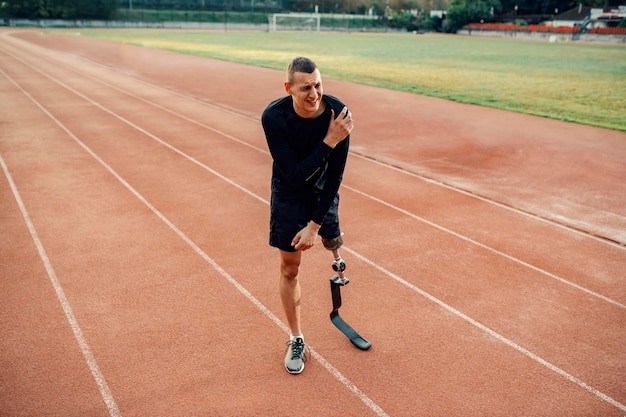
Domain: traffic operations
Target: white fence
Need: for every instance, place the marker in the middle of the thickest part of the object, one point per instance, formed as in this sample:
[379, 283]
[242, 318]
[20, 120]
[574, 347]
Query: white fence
[60, 23]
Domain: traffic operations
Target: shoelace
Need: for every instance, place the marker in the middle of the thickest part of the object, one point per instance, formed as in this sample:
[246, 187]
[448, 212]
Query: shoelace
[298, 350]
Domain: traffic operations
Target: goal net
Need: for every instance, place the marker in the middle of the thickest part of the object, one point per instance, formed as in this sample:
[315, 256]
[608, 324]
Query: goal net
[294, 21]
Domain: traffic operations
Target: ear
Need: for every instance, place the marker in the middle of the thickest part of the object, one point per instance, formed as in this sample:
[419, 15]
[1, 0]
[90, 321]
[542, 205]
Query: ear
[287, 87]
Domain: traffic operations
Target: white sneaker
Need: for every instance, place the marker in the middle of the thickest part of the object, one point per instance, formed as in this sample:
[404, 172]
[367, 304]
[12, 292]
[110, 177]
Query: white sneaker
[296, 355]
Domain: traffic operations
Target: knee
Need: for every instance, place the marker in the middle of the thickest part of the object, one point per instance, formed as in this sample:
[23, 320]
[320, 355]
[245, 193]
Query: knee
[332, 244]
[289, 270]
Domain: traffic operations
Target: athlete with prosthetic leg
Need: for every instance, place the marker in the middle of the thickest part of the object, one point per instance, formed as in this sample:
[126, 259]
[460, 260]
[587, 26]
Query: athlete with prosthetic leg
[308, 135]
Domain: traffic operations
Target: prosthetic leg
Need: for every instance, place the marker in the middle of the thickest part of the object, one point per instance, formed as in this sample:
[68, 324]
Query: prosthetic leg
[336, 282]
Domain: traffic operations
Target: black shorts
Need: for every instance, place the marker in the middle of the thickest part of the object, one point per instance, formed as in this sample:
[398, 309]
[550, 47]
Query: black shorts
[290, 215]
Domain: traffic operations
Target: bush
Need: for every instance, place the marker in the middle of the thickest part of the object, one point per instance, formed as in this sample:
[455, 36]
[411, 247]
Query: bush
[60, 9]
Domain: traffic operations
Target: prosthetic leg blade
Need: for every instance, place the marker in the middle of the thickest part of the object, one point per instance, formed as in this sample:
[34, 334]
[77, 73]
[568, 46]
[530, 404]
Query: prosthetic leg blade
[357, 340]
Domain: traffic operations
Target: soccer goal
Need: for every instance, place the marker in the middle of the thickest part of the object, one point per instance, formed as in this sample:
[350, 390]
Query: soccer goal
[295, 21]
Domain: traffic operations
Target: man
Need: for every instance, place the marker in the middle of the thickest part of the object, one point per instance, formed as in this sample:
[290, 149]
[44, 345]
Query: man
[307, 134]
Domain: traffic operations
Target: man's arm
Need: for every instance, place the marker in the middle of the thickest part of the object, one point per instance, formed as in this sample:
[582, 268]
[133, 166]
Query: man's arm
[339, 133]
[306, 237]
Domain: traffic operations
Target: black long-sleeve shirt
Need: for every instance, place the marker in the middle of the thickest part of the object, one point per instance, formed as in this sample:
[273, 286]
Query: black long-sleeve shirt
[303, 163]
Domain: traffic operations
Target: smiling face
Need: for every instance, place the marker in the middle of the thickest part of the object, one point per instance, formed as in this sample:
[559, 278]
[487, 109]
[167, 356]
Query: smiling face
[306, 91]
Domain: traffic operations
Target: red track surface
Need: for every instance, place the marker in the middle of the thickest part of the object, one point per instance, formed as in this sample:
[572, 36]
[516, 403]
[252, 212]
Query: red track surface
[485, 249]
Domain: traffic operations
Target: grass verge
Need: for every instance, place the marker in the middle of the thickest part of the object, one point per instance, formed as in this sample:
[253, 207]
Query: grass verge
[581, 83]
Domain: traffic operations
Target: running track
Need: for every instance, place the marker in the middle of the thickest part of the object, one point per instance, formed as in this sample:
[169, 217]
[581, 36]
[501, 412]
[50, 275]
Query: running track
[486, 249]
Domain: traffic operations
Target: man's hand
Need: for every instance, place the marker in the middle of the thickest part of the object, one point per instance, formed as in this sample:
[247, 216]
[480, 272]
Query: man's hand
[305, 238]
[339, 127]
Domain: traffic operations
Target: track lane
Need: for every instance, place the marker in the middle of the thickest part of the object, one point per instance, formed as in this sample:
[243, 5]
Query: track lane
[556, 254]
[35, 313]
[122, 164]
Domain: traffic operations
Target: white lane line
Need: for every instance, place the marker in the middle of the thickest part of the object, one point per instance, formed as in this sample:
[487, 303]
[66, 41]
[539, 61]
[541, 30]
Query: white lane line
[493, 333]
[488, 200]
[91, 361]
[503, 339]
[489, 248]
[105, 392]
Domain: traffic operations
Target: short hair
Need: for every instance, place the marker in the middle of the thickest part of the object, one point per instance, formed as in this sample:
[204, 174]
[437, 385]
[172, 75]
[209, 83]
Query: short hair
[300, 64]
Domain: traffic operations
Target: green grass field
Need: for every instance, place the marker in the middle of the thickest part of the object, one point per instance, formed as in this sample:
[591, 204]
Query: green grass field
[582, 83]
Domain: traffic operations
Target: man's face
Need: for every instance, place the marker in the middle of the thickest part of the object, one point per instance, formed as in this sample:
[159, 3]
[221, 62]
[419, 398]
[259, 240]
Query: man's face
[306, 92]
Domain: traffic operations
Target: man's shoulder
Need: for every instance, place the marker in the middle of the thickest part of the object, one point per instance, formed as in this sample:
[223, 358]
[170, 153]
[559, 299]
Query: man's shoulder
[334, 102]
[280, 104]
[276, 111]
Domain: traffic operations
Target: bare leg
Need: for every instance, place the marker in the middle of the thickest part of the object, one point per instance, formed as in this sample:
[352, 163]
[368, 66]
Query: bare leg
[289, 287]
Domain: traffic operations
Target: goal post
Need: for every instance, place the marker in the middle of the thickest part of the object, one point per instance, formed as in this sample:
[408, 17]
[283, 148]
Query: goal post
[295, 21]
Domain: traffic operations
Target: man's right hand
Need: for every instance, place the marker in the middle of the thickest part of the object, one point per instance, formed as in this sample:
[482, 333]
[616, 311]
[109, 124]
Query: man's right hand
[339, 127]
[305, 238]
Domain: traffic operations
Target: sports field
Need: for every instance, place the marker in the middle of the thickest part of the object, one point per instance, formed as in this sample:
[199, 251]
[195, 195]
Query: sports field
[583, 83]
[486, 249]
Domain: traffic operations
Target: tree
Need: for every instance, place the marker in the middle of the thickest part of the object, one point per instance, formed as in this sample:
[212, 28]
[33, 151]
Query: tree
[61, 9]
[462, 12]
